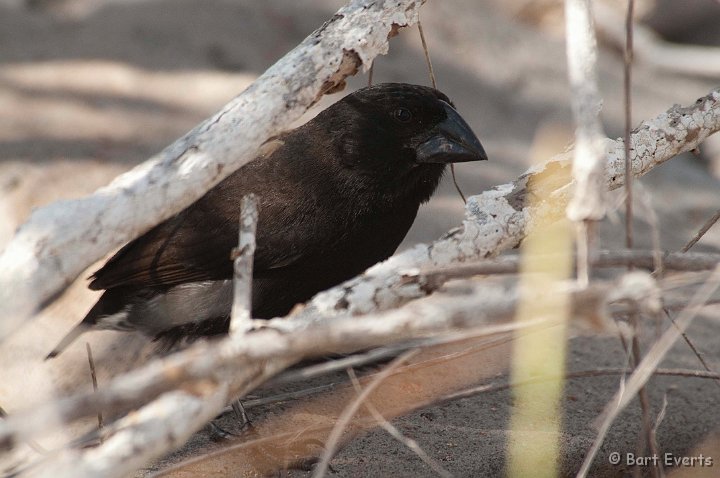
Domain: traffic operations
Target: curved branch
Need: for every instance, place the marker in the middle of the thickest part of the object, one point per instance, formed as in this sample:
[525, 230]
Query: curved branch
[499, 219]
[59, 241]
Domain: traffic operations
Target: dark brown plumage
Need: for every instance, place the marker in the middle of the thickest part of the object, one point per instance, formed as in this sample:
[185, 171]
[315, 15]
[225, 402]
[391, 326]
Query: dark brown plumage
[336, 196]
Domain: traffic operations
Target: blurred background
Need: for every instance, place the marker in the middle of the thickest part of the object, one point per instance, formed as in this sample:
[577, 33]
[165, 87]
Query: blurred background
[90, 88]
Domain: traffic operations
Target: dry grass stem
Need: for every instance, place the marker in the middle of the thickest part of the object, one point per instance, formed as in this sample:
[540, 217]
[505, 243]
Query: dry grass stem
[93, 376]
[346, 416]
[409, 443]
[705, 228]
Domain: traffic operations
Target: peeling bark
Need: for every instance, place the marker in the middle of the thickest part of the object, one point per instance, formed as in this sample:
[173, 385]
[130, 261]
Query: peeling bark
[499, 219]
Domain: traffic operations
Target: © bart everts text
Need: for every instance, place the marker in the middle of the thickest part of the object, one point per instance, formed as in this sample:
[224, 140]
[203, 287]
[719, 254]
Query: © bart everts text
[666, 459]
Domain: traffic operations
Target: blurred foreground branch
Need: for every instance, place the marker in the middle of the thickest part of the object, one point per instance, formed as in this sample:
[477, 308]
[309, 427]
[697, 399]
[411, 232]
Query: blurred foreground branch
[588, 202]
[207, 375]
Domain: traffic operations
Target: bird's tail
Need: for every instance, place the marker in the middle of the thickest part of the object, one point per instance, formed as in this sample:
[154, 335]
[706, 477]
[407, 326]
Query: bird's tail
[76, 332]
[108, 313]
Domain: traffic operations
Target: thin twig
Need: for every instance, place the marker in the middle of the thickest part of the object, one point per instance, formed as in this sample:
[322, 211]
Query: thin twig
[411, 444]
[588, 198]
[240, 315]
[653, 433]
[288, 396]
[485, 388]
[380, 353]
[344, 419]
[370, 73]
[691, 345]
[489, 388]
[584, 234]
[431, 72]
[243, 256]
[427, 55]
[630, 362]
[627, 96]
[644, 402]
[362, 358]
[357, 360]
[645, 201]
[433, 278]
[93, 375]
[705, 228]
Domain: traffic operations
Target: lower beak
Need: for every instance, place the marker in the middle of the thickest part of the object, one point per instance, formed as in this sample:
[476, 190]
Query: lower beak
[451, 141]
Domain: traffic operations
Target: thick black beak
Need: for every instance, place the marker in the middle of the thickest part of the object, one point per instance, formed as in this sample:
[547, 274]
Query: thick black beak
[451, 141]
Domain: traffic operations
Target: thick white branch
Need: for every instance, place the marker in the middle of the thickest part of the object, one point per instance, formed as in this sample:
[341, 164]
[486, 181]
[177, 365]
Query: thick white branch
[59, 241]
[243, 364]
[498, 219]
[163, 425]
[477, 310]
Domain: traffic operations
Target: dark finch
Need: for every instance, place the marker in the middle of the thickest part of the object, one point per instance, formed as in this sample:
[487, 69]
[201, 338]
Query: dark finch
[337, 195]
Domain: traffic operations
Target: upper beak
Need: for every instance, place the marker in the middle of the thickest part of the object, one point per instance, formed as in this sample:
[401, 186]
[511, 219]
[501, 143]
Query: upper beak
[451, 141]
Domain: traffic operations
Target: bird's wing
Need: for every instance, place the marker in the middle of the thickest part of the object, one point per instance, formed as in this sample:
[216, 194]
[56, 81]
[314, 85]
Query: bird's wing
[196, 244]
[181, 249]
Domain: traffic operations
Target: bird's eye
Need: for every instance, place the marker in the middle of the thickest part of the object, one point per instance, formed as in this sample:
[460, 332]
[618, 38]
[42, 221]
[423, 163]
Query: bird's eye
[402, 114]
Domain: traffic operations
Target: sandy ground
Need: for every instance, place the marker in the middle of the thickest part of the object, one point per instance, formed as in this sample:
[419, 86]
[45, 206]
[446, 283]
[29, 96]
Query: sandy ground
[88, 89]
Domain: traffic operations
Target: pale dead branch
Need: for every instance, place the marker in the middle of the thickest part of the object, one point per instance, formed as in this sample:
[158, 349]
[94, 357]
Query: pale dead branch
[243, 255]
[432, 278]
[498, 219]
[246, 363]
[162, 425]
[60, 240]
[588, 202]
[261, 354]
[627, 99]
